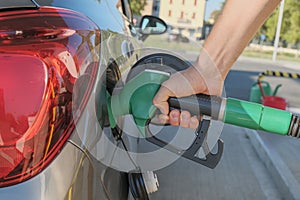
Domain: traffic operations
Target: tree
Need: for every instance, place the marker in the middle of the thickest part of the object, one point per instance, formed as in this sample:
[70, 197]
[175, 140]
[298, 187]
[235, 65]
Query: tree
[214, 15]
[290, 27]
[291, 33]
[137, 6]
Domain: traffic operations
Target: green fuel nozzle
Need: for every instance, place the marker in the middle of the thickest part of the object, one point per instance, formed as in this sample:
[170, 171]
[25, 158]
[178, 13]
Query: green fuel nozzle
[136, 97]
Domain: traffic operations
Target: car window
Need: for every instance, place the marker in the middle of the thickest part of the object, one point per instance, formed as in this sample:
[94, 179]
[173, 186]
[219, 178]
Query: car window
[126, 9]
[123, 6]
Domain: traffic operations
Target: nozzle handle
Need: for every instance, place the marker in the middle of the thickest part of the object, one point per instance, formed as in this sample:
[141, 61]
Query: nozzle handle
[200, 104]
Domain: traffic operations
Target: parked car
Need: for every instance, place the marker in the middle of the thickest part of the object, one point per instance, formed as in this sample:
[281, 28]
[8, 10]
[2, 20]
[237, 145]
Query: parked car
[178, 37]
[58, 60]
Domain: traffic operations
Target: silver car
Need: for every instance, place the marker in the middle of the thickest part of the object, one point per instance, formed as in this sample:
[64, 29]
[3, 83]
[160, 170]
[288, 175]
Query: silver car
[58, 61]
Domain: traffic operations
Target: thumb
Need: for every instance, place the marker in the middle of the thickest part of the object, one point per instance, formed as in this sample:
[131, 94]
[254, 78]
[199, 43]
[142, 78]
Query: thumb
[160, 100]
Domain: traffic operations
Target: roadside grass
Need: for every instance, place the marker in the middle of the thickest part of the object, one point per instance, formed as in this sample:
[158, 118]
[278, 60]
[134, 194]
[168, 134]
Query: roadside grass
[269, 55]
[161, 41]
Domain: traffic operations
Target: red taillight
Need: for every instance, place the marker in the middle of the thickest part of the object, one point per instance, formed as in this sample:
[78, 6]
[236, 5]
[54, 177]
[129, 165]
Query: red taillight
[43, 54]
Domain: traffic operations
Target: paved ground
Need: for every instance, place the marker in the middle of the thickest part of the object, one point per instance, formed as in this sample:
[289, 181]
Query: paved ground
[240, 175]
[279, 154]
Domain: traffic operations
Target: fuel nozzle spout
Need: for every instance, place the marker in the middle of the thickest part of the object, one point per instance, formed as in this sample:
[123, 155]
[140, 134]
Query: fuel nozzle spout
[136, 99]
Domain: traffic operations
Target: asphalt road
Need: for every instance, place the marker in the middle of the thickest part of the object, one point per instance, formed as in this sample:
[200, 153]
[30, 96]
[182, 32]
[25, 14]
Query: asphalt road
[242, 173]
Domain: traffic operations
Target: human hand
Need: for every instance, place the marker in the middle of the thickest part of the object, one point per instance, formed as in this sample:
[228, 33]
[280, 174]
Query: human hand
[205, 79]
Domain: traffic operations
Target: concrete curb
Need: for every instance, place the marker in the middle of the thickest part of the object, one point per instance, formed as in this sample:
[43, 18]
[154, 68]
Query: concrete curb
[287, 185]
[279, 63]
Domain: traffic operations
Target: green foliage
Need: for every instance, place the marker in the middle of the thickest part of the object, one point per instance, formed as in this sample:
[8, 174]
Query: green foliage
[137, 6]
[215, 14]
[290, 28]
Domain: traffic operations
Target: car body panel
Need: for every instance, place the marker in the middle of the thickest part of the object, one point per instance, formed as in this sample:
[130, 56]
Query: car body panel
[45, 185]
[101, 12]
[75, 173]
[77, 179]
[88, 166]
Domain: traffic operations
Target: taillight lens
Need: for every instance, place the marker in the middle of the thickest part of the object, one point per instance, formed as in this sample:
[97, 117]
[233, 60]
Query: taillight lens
[44, 54]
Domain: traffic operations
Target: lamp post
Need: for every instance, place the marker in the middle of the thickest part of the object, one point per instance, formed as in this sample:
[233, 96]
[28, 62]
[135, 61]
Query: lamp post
[203, 36]
[278, 30]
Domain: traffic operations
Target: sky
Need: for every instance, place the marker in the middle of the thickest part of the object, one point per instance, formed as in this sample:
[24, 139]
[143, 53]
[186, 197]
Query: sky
[211, 6]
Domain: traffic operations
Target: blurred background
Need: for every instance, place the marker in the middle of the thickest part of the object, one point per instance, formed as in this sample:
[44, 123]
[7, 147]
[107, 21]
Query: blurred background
[255, 164]
[190, 21]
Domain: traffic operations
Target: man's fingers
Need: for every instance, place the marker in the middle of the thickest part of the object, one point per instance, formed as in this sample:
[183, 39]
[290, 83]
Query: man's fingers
[164, 119]
[162, 95]
[161, 98]
[194, 123]
[174, 117]
[163, 107]
[185, 118]
[186, 121]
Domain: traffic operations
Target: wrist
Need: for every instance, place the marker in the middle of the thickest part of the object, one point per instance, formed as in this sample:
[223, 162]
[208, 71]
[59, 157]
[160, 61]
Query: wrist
[206, 71]
[212, 64]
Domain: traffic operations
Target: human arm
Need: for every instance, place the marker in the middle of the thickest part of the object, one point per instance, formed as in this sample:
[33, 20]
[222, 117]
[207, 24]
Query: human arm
[233, 30]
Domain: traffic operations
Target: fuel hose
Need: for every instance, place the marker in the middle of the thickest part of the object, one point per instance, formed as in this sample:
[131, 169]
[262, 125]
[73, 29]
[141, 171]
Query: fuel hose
[240, 113]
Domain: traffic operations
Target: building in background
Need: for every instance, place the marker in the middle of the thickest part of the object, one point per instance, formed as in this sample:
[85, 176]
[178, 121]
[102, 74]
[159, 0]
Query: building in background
[152, 8]
[148, 9]
[183, 16]
[156, 8]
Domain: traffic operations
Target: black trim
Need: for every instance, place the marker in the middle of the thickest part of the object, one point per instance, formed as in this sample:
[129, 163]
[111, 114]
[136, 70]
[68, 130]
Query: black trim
[18, 5]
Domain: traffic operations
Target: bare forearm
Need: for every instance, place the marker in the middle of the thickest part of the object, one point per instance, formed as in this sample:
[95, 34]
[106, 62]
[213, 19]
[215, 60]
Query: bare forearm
[233, 30]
